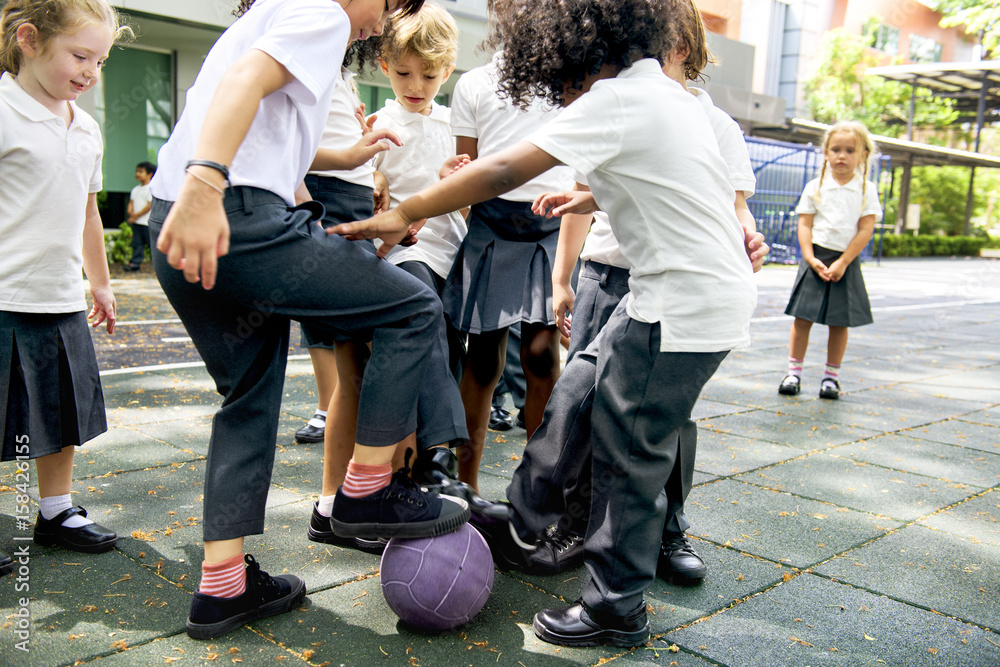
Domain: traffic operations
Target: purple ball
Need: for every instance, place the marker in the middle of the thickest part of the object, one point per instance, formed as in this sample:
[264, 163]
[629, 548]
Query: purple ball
[437, 583]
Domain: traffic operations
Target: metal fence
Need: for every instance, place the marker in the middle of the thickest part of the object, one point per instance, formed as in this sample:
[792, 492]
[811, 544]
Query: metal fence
[782, 170]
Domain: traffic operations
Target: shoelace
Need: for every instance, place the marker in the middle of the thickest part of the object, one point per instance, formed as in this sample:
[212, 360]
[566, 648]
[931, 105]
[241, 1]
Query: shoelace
[678, 543]
[562, 541]
[259, 577]
[405, 488]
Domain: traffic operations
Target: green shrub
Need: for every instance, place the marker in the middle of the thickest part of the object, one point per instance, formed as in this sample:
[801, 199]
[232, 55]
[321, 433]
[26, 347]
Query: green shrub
[905, 245]
[118, 245]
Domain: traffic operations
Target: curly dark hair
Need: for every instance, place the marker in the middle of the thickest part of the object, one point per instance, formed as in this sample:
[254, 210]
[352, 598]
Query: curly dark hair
[406, 8]
[548, 44]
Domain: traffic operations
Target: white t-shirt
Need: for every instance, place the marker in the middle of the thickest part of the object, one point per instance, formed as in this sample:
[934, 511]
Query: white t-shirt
[306, 37]
[839, 209]
[427, 143]
[669, 202]
[477, 111]
[141, 197]
[601, 244]
[343, 130]
[47, 171]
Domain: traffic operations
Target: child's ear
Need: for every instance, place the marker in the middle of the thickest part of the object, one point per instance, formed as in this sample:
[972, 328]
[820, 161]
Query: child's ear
[447, 74]
[384, 66]
[27, 39]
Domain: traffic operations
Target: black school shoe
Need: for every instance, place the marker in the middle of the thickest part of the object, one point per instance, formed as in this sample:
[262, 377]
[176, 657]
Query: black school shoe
[402, 509]
[265, 596]
[558, 550]
[6, 564]
[678, 562]
[310, 433]
[92, 538]
[829, 388]
[790, 385]
[501, 419]
[578, 625]
[321, 531]
[510, 551]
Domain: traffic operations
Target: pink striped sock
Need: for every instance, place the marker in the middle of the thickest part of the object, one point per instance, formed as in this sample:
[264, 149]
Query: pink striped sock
[795, 366]
[832, 372]
[364, 480]
[227, 579]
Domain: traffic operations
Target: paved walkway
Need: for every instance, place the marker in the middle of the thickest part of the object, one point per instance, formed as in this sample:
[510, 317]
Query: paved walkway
[857, 532]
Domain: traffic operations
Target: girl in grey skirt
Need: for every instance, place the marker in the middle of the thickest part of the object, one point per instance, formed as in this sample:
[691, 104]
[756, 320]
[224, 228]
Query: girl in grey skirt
[837, 214]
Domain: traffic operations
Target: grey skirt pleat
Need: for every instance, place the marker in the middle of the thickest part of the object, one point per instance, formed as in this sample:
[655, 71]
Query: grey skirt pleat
[503, 271]
[839, 304]
[50, 386]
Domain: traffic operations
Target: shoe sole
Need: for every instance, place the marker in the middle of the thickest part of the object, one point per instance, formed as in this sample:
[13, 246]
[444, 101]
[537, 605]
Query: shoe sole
[617, 638]
[6, 568]
[410, 530]
[272, 608]
[681, 579]
[501, 427]
[308, 438]
[45, 540]
[833, 396]
[788, 392]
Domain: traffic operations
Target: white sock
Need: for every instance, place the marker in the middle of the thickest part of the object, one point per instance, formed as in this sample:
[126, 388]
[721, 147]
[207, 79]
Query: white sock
[318, 420]
[53, 506]
[325, 505]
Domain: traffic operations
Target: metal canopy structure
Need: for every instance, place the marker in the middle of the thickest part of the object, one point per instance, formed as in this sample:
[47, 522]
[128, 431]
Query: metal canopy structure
[975, 88]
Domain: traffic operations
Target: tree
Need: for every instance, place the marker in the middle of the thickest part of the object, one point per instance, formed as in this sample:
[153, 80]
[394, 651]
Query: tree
[977, 16]
[839, 90]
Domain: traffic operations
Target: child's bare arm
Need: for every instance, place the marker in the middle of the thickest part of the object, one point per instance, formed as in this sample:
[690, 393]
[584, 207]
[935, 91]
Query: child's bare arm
[572, 234]
[866, 226]
[95, 265]
[806, 244]
[754, 243]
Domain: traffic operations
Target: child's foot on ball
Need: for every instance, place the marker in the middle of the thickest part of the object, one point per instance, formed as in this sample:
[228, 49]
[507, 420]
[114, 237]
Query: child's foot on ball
[402, 509]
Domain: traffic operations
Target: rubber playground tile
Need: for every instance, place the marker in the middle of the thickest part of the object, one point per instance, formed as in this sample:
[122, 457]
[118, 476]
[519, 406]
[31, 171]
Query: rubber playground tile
[242, 647]
[778, 526]
[988, 416]
[946, 463]
[83, 606]
[353, 624]
[725, 454]
[705, 409]
[874, 411]
[813, 621]
[787, 428]
[961, 433]
[930, 569]
[754, 391]
[657, 654]
[977, 519]
[861, 486]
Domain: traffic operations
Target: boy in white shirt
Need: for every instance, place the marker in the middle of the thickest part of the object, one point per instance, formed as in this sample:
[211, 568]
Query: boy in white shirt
[139, 204]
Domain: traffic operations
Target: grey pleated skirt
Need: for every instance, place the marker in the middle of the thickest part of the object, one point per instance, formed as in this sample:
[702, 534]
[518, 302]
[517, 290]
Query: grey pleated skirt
[503, 271]
[841, 304]
[50, 387]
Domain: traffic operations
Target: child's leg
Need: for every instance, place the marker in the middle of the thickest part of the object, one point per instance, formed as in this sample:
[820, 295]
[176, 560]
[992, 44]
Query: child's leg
[836, 346]
[338, 443]
[59, 522]
[799, 341]
[483, 367]
[540, 360]
[324, 363]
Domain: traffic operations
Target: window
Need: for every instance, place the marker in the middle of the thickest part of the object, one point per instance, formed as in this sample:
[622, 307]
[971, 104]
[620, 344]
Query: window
[924, 49]
[879, 36]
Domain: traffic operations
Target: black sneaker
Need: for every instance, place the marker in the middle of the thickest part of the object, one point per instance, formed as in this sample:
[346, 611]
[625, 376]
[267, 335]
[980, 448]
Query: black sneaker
[510, 551]
[265, 596]
[790, 385]
[829, 388]
[501, 419]
[310, 433]
[321, 531]
[402, 509]
[579, 625]
[558, 550]
[678, 563]
[6, 564]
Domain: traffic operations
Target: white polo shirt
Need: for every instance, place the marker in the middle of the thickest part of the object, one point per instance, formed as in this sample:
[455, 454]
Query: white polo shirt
[47, 172]
[652, 161]
[427, 143]
[836, 214]
[309, 38]
[342, 130]
[601, 244]
[477, 111]
[141, 197]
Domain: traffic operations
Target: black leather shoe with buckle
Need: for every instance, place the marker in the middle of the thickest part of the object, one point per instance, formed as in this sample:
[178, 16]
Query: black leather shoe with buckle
[578, 625]
[790, 385]
[678, 563]
[310, 433]
[92, 538]
[501, 419]
[829, 388]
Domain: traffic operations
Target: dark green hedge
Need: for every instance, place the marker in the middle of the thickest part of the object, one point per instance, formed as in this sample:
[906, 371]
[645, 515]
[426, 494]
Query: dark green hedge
[904, 245]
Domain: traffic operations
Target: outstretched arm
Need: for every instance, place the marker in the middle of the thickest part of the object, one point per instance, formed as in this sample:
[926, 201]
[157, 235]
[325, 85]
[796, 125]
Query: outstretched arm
[572, 234]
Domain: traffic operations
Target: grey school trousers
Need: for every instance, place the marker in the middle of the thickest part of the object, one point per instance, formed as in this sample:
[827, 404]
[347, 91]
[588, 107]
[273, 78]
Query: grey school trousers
[639, 400]
[282, 266]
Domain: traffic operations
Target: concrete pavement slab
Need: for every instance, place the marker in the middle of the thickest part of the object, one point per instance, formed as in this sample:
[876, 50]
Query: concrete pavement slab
[725, 454]
[784, 427]
[961, 433]
[988, 416]
[977, 519]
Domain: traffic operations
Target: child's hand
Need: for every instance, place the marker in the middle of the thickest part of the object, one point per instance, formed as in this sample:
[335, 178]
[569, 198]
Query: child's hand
[836, 271]
[553, 204]
[390, 226]
[453, 164]
[366, 123]
[195, 233]
[757, 249]
[381, 193]
[563, 299]
[370, 145]
[820, 268]
[104, 308]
